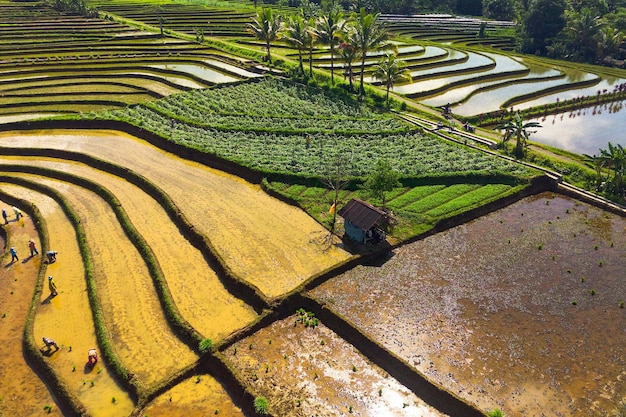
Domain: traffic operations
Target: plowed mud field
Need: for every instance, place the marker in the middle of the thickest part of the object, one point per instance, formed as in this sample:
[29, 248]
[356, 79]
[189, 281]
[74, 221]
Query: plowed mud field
[519, 309]
[306, 371]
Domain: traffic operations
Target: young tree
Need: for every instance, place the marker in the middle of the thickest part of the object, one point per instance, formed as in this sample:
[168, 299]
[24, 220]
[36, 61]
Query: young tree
[518, 129]
[266, 27]
[335, 178]
[330, 28]
[369, 35]
[390, 70]
[381, 180]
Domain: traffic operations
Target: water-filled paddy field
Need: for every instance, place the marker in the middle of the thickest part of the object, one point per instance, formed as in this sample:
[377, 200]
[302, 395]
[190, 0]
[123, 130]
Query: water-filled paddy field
[519, 309]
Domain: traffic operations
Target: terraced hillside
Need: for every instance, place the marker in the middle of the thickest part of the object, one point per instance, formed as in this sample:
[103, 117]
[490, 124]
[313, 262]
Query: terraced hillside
[52, 63]
[191, 282]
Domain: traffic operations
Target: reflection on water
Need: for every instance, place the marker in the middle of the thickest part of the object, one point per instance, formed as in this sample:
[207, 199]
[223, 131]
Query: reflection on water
[584, 131]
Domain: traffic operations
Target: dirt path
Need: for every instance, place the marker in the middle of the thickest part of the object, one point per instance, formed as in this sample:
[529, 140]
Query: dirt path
[137, 326]
[63, 318]
[264, 240]
[22, 393]
[197, 291]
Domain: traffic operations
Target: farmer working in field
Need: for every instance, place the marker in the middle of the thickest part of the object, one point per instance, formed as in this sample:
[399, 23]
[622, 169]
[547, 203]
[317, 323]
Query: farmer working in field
[53, 286]
[49, 343]
[33, 248]
[13, 255]
[52, 256]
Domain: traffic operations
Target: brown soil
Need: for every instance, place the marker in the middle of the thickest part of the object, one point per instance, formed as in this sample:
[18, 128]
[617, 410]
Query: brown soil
[487, 309]
[22, 393]
[305, 371]
[237, 216]
[137, 326]
[67, 317]
[196, 289]
[199, 396]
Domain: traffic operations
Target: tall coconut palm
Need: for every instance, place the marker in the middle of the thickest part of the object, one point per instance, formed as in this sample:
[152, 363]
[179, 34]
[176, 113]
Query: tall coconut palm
[369, 35]
[295, 33]
[266, 26]
[330, 28]
[518, 129]
[391, 70]
[309, 42]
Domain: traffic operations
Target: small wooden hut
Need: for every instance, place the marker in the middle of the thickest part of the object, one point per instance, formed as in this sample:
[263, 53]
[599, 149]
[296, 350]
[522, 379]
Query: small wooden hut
[363, 222]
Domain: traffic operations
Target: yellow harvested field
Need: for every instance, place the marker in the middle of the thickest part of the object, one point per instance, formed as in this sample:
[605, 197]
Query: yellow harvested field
[21, 390]
[135, 321]
[197, 291]
[198, 396]
[66, 318]
[263, 240]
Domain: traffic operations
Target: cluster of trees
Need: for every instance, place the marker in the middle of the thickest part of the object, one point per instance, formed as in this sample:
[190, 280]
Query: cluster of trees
[77, 7]
[613, 162]
[591, 31]
[349, 37]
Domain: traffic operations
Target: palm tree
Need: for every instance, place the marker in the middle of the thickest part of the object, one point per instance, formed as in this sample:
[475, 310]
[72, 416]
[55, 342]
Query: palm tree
[518, 129]
[369, 35]
[309, 43]
[296, 33]
[615, 158]
[585, 27]
[348, 53]
[266, 27]
[598, 162]
[330, 28]
[391, 70]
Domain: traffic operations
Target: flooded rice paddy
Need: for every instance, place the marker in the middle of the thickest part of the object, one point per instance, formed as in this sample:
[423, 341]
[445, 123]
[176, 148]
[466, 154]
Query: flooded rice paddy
[519, 309]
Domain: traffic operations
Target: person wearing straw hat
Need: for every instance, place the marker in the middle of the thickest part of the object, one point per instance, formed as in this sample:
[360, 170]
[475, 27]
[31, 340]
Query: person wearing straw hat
[53, 286]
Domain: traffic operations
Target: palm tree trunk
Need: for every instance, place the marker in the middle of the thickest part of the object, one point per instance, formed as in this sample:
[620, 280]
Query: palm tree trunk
[332, 64]
[362, 88]
[388, 86]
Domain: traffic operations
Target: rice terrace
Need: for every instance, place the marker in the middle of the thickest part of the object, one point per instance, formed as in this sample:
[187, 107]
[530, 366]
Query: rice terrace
[294, 208]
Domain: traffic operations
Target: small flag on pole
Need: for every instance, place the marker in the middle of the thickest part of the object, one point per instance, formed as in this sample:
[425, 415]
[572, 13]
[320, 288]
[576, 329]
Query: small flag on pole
[332, 209]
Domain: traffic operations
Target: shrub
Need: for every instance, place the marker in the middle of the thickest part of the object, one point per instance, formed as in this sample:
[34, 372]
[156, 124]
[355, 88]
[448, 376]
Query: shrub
[206, 345]
[261, 405]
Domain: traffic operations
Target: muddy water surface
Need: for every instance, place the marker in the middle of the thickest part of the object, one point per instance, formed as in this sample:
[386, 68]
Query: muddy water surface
[519, 309]
[313, 372]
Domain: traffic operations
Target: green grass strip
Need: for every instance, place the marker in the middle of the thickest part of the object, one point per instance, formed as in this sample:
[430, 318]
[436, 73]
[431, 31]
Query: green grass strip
[434, 200]
[482, 195]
